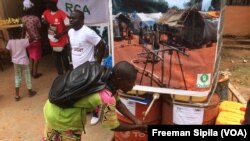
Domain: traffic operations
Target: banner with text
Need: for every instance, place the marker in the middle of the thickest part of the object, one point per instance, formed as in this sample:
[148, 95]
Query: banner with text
[96, 11]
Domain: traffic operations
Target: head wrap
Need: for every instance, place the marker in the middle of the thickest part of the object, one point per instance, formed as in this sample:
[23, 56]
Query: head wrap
[27, 4]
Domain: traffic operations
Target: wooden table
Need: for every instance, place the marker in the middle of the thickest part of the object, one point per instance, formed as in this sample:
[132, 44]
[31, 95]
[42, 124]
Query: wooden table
[10, 26]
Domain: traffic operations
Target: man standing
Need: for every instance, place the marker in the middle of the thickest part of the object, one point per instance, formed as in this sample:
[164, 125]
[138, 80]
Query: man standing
[57, 21]
[86, 45]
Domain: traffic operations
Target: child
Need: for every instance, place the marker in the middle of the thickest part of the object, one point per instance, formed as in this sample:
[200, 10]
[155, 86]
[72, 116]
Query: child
[17, 48]
[96, 114]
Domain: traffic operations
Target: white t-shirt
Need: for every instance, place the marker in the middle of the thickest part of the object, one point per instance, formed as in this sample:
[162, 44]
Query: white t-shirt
[83, 42]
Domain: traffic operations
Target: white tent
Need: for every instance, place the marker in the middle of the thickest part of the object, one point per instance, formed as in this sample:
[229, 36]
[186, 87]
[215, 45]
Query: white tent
[147, 20]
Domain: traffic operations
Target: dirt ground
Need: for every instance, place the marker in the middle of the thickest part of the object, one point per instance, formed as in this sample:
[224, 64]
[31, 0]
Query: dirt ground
[236, 61]
[23, 120]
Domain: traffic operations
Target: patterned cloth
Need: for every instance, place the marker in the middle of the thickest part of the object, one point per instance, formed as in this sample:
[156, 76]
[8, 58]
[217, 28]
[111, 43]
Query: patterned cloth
[20, 60]
[33, 24]
[19, 69]
[53, 135]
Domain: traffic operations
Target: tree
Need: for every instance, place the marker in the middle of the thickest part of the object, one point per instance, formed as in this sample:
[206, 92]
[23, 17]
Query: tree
[175, 7]
[194, 3]
[215, 5]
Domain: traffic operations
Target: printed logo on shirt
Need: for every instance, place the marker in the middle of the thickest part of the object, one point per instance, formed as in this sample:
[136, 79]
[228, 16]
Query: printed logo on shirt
[78, 49]
[56, 21]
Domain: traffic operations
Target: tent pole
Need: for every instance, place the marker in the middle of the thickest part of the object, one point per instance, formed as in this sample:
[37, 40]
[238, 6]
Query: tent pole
[111, 35]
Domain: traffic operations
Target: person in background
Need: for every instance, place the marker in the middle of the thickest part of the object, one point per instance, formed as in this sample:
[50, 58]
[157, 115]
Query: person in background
[57, 22]
[84, 41]
[17, 48]
[31, 30]
[86, 45]
[130, 35]
[141, 38]
[67, 124]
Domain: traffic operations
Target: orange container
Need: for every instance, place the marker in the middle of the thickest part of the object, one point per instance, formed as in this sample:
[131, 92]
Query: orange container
[183, 98]
[132, 135]
[153, 117]
[210, 111]
[229, 118]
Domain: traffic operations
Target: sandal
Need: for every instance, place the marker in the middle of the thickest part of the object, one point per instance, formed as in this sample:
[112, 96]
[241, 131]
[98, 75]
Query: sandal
[37, 75]
[17, 98]
[32, 93]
